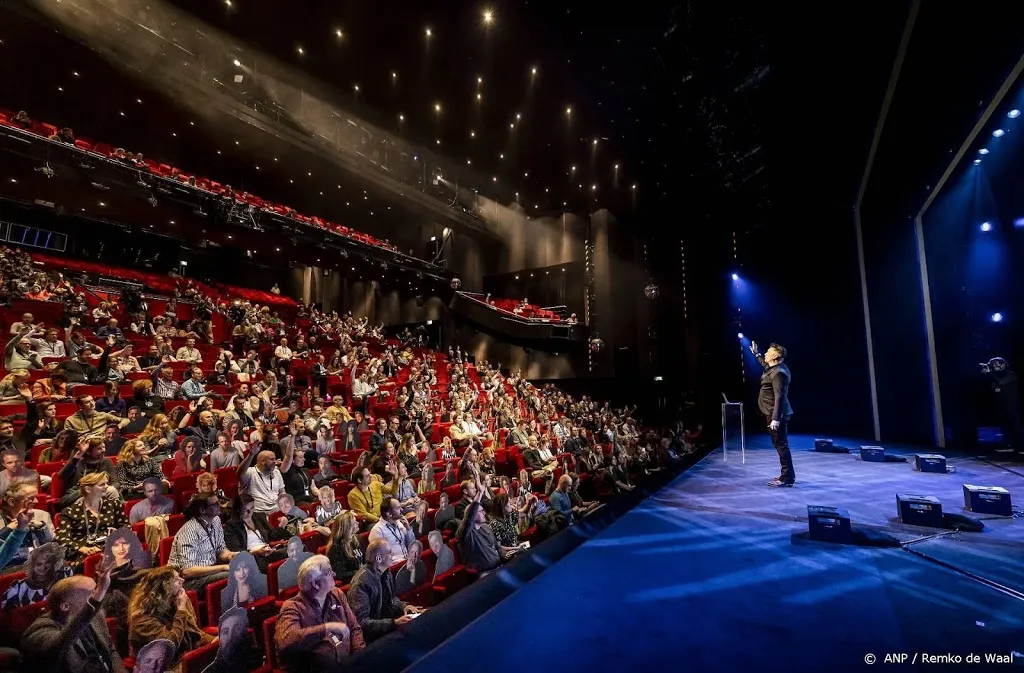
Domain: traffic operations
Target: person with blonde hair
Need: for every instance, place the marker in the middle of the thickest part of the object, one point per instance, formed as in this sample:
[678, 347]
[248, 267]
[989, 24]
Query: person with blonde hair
[159, 434]
[10, 385]
[85, 523]
[134, 467]
[343, 548]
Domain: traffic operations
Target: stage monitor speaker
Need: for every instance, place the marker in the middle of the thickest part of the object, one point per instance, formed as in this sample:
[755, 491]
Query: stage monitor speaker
[987, 500]
[930, 462]
[920, 510]
[872, 454]
[828, 524]
[824, 445]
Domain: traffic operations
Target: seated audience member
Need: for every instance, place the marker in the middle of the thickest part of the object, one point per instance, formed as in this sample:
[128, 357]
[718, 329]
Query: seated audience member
[264, 482]
[88, 422]
[20, 498]
[317, 629]
[583, 506]
[188, 459]
[155, 509]
[413, 573]
[343, 548]
[134, 467]
[403, 490]
[153, 504]
[393, 529]
[249, 530]
[366, 497]
[372, 595]
[11, 545]
[503, 518]
[45, 568]
[560, 500]
[325, 474]
[15, 470]
[478, 547]
[226, 453]
[297, 480]
[88, 458]
[84, 524]
[72, 636]
[160, 608]
[198, 551]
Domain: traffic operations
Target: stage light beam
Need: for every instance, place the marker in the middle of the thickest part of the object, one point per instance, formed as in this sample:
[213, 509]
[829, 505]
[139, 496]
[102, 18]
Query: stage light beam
[986, 226]
[997, 317]
[998, 133]
[1013, 114]
[735, 276]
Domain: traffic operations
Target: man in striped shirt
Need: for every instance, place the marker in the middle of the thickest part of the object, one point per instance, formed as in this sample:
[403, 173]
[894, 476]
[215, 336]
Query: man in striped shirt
[198, 551]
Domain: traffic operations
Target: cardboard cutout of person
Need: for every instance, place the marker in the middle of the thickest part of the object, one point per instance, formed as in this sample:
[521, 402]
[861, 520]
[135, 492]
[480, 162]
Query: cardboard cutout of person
[246, 584]
[288, 572]
[155, 656]
[124, 549]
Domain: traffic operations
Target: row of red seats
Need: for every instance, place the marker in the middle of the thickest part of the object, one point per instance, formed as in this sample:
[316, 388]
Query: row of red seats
[105, 151]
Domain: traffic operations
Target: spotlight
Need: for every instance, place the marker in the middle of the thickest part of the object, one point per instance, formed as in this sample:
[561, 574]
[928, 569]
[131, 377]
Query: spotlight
[735, 276]
[983, 151]
[1013, 114]
[998, 133]
[1019, 222]
[977, 161]
[986, 226]
[997, 317]
[740, 335]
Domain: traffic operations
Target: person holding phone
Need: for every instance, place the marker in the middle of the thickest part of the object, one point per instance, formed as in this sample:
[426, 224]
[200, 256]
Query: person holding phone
[773, 403]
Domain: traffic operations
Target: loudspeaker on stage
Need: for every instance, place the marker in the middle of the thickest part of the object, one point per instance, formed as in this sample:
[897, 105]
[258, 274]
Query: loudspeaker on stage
[920, 510]
[987, 500]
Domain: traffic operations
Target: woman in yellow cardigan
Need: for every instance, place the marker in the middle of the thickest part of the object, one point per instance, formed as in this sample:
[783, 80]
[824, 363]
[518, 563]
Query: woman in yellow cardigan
[366, 497]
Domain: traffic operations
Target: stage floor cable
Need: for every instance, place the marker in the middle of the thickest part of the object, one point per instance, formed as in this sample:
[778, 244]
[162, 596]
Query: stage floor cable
[706, 576]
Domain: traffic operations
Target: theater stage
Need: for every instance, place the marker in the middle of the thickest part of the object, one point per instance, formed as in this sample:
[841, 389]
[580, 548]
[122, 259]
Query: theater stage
[704, 576]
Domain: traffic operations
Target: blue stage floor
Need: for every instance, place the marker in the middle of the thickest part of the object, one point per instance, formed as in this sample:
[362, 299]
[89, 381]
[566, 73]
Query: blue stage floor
[704, 576]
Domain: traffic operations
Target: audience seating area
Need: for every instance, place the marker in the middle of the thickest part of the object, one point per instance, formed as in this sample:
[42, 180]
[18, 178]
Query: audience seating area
[102, 150]
[443, 373]
[515, 307]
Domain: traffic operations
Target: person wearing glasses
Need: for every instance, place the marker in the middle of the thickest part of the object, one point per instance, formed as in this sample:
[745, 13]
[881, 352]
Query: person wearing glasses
[198, 551]
[317, 630]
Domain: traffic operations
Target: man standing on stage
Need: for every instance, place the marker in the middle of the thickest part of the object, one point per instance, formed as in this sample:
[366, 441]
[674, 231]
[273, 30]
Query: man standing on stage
[773, 403]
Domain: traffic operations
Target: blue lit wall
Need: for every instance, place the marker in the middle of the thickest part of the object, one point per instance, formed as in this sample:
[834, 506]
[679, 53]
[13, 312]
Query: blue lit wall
[805, 295]
[974, 241]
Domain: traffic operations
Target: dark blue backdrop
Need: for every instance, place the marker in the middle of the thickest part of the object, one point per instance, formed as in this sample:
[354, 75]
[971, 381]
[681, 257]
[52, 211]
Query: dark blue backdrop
[973, 240]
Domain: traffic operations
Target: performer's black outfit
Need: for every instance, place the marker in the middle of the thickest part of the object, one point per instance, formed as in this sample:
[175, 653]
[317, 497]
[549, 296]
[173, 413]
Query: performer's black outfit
[773, 403]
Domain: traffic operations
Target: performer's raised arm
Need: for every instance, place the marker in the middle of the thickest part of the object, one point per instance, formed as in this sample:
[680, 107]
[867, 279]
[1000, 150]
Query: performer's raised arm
[757, 353]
